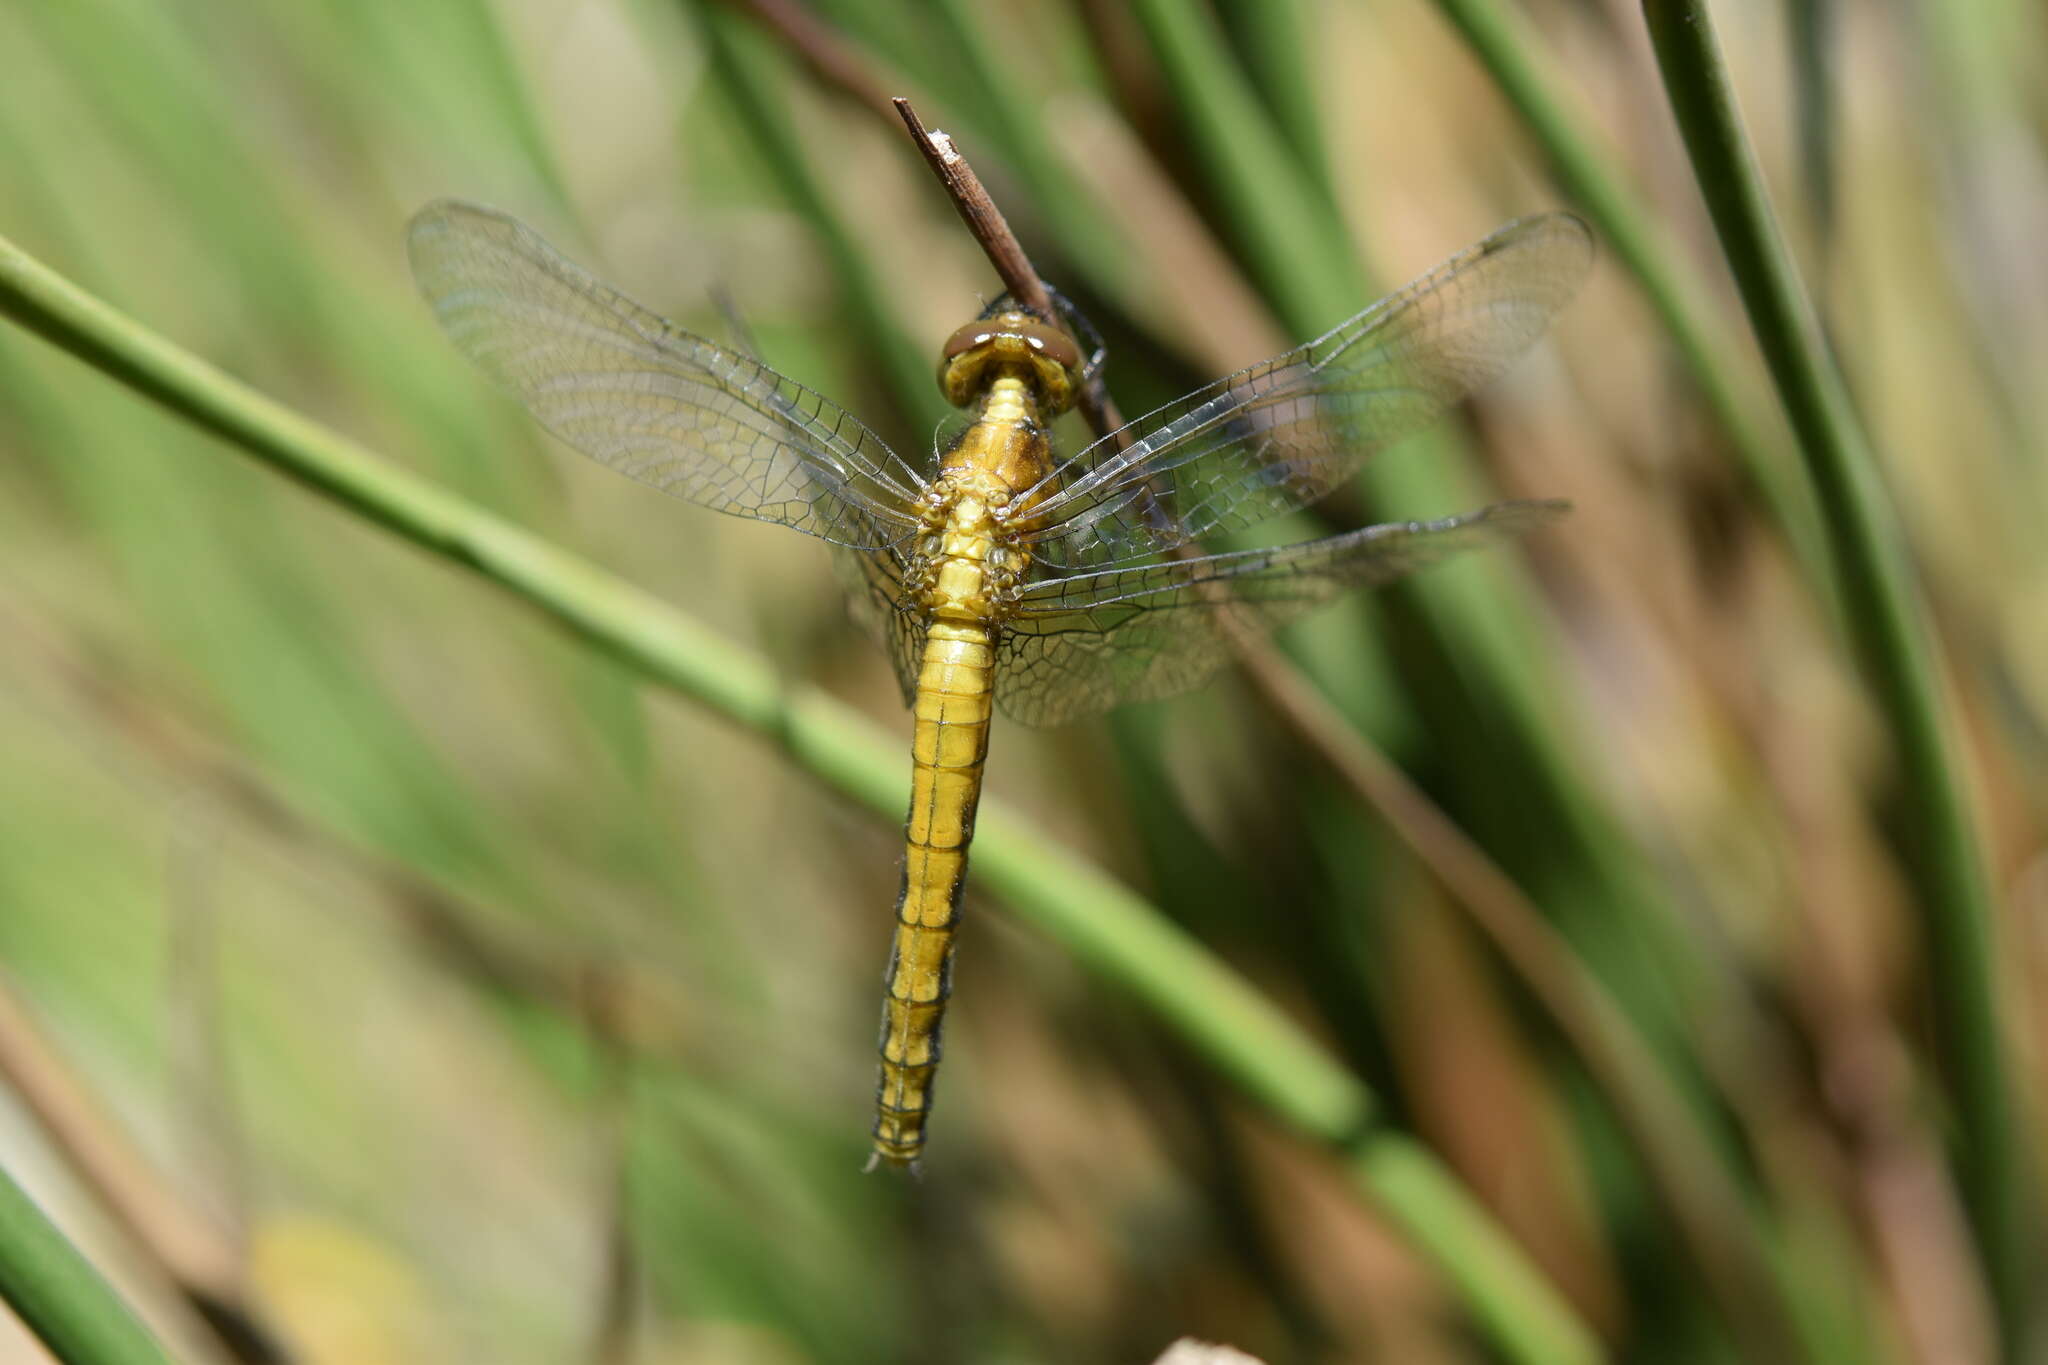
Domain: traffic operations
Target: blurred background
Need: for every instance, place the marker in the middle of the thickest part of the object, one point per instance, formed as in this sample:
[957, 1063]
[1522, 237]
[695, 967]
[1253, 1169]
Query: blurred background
[444, 992]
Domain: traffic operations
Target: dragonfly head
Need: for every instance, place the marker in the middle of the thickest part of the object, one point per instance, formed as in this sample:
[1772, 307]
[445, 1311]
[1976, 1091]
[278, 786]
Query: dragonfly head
[1009, 340]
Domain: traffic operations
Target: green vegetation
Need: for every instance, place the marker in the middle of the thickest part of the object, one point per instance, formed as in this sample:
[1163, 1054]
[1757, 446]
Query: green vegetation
[463, 997]
[59, 1297]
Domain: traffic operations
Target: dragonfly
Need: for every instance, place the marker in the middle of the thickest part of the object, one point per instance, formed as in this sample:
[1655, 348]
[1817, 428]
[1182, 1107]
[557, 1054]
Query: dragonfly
[999, 573]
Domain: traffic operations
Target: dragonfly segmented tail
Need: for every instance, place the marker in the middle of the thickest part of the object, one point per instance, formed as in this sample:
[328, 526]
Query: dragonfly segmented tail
[948, 748]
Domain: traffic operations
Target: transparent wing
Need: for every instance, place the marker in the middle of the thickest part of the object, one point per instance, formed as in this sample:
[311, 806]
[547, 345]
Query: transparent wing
[648, 399]
[873, 580]
[1284, 433]
[1086, 642]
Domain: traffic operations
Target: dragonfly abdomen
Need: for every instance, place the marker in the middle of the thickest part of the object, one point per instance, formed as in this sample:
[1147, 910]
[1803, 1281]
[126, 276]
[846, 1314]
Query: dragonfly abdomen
[949, 746]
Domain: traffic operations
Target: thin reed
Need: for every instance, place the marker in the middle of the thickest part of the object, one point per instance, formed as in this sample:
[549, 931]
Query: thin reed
[1622, 947]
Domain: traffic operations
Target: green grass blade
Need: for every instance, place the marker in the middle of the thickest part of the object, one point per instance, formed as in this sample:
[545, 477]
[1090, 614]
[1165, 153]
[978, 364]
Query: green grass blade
[1021, 127]
[1279, 51]
[1813, 27]
[1884, 614]
[1504, 42]
[1476, 652]
[1227, 1021]
[1606, 905]
[743, 71]
[59, 1296]
[1286, 229]
[1440, 1217]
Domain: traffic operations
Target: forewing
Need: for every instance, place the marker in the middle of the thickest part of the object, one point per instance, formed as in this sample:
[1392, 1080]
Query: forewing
[1284, 433]
[1086, 642]
[650, 400]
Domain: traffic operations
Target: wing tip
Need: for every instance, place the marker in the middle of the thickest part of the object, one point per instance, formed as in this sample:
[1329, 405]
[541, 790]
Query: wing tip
[1561, 231]
[454, 206]
[448, 215]
[1581, 233]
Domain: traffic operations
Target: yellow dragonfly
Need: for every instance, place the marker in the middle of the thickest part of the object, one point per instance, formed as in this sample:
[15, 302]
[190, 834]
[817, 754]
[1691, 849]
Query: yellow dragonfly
[1001, 574]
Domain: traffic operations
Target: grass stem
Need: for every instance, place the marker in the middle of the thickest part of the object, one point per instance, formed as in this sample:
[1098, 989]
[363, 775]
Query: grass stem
[1219, 1014]
[1957, 916]
[1511, 53]
[59, 1296]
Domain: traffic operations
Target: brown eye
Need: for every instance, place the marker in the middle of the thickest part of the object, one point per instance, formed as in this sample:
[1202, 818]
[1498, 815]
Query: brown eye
[966, 339]
[1054, 344]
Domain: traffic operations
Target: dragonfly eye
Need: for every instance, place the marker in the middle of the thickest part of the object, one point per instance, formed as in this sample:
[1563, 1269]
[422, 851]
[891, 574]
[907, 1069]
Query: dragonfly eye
[1013, 340]
[1050, 342]
[966, 339]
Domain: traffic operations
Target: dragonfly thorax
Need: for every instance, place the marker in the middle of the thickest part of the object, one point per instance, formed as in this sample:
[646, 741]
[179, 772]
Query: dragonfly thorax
[1005, 452]
[968, 562]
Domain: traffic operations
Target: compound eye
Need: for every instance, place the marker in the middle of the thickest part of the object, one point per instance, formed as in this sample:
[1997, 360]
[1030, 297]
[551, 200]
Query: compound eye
[1051, 342]
[966, 339]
